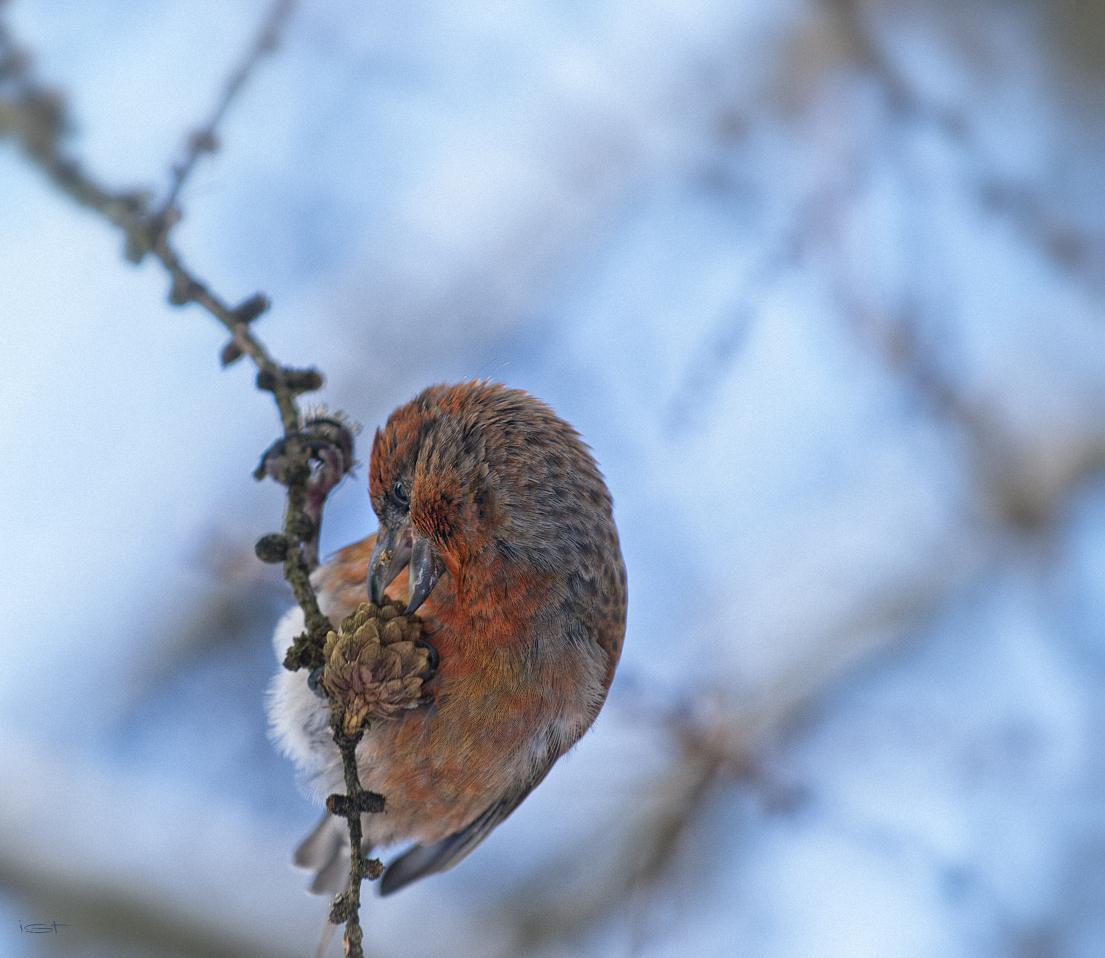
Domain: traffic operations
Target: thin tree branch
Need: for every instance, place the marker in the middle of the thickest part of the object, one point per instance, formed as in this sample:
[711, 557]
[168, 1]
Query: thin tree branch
[346, 906]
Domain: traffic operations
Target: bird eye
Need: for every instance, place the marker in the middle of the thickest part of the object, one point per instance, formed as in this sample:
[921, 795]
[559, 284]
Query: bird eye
[400, 493]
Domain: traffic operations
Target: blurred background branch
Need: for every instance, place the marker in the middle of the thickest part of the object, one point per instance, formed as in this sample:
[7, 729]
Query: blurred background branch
[206, 139]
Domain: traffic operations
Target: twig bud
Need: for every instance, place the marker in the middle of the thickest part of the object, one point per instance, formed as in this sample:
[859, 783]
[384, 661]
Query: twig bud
[370, 868]
[344, 806]
[231, 353]
[294, 380]
[272, 548]
[250, 309]
[341, 908]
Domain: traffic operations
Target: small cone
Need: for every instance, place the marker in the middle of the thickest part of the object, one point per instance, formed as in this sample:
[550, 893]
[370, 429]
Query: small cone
[375, 664]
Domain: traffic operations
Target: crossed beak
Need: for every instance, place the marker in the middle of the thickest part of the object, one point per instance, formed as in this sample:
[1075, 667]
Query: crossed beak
[402, 546]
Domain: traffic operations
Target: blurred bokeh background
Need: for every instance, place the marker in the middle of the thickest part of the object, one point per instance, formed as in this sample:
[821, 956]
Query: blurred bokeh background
[822, 282]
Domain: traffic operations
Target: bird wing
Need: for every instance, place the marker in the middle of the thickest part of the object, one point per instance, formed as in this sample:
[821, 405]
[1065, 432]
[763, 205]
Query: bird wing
[424, 860]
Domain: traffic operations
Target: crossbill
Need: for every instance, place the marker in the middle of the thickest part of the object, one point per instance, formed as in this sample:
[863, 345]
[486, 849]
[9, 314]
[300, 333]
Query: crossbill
[499, 515]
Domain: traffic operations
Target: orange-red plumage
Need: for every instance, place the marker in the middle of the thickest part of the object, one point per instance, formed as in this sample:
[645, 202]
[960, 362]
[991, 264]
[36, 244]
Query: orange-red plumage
[497, 512]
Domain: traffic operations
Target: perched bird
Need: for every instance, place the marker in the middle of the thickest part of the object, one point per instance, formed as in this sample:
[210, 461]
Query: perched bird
[498, 513]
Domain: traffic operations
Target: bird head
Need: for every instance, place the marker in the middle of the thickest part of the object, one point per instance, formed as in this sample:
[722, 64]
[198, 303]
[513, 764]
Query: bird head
[432, 490]
[476, 471]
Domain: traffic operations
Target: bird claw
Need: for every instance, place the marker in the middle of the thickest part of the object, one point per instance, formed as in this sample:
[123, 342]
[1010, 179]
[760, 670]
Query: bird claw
[431, 671]
[434, 658]
[328, 441]
[314, 682]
